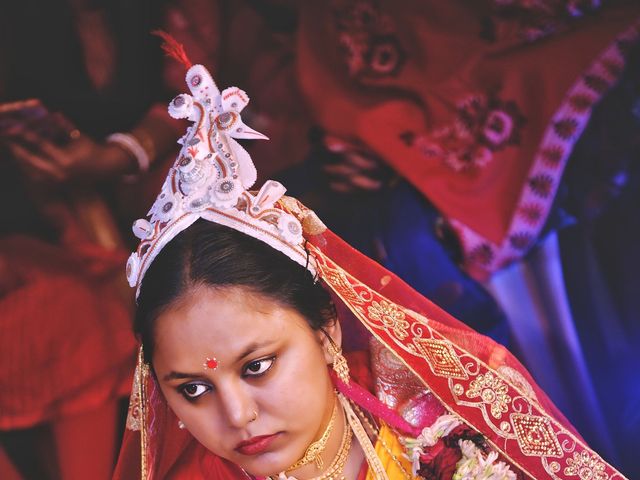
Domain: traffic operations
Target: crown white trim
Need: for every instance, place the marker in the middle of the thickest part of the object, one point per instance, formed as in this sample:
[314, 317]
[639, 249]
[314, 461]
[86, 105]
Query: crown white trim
[211, 178]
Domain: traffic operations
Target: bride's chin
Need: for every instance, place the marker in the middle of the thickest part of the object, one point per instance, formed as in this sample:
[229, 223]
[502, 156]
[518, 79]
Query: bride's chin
[265, 466]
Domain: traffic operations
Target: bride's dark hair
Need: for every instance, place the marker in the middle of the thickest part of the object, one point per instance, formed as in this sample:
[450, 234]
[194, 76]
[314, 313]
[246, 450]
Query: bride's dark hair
[209, 254]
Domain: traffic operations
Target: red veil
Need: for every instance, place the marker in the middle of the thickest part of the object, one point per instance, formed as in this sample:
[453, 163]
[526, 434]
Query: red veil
[470, 375]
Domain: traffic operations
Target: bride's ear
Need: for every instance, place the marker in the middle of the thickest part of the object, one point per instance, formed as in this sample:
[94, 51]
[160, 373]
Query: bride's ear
[330, 335]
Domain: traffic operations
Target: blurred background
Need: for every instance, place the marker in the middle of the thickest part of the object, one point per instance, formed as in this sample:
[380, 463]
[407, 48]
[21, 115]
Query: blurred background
[487, 151]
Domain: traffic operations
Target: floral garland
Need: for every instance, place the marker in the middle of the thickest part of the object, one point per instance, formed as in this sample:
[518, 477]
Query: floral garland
[473, 464]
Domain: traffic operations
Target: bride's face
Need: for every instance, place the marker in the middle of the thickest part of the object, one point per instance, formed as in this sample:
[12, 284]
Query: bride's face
[270, 363]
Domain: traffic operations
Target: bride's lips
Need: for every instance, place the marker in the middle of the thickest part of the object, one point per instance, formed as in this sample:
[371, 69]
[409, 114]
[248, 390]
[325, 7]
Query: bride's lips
[256, 445]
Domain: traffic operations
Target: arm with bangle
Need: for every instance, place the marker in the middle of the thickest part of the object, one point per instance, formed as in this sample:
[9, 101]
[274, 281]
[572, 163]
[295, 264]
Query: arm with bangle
[149, 140]
[82, 158]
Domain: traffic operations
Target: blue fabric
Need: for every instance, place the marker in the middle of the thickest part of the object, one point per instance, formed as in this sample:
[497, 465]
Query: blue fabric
[397, 227]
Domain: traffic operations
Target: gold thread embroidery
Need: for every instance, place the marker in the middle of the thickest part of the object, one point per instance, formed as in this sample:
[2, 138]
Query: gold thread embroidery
[311, 223]
[338, 281]
[535, 435]
[517, 379]
[390, 316]
[539, 435]
[441, 357]
[457, 389]
[134, 420]
[492, 391]
[585, 466]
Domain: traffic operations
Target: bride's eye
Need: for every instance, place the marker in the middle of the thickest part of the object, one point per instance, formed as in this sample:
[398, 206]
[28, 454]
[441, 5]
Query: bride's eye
[258, 367]
[192, 391]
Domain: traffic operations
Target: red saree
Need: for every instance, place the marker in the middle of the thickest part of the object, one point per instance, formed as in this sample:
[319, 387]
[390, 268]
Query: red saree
[434, 357]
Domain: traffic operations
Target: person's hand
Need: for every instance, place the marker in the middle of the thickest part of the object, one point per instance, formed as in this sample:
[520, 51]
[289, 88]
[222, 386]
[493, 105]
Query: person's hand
[81, 159]
[354, 169]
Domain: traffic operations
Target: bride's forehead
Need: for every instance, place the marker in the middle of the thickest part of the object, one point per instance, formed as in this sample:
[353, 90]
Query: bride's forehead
[226, 327]
[226, 312]
[214, 301]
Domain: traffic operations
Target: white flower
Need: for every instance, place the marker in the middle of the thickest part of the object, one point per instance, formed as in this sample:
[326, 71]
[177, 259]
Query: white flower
[428, 438]
[440, 428]
[492, 457]
[415, 460]
[465, 469]
[468, 448]
[501, 471]
[474, 466]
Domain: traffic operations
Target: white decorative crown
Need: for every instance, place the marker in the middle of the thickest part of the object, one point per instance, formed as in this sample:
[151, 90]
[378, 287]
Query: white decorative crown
[210, 179]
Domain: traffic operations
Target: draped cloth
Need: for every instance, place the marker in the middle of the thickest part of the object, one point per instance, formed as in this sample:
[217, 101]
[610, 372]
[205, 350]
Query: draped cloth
[66, 346]
[416, 351]
[477, 104]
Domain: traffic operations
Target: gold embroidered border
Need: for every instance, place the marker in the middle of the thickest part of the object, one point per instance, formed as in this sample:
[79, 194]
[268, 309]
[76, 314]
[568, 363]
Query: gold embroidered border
[529, 428]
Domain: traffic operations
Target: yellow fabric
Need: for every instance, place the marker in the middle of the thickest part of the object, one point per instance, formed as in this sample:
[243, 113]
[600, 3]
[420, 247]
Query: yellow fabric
[387, 447]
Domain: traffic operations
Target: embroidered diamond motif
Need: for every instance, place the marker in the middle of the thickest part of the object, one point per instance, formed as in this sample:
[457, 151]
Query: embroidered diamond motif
[535, 435]
[441, 357]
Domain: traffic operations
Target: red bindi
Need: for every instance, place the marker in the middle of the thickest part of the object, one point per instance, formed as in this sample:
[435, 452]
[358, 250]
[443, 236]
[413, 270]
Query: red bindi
[211, 363]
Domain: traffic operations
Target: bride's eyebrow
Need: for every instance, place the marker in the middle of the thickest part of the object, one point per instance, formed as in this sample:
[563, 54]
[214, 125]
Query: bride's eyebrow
[180, 376]
[252, 347]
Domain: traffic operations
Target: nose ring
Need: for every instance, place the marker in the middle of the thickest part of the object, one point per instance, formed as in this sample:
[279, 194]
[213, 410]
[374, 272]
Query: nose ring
[255, 416]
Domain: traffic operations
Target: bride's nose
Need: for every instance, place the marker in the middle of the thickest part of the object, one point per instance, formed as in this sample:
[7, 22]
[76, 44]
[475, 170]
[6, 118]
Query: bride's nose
[238, 404]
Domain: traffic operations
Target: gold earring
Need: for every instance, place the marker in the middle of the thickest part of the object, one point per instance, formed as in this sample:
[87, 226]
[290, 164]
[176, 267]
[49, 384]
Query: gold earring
[340, 365]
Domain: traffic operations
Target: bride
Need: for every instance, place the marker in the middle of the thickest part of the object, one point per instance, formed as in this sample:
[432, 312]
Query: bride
[272, 349]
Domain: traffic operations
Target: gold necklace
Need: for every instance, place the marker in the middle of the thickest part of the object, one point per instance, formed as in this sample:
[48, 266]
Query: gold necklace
[313, 453]
[335, 470]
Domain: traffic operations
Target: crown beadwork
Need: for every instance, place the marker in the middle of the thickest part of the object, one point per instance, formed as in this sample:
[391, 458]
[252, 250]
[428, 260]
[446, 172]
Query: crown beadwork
[211, 178]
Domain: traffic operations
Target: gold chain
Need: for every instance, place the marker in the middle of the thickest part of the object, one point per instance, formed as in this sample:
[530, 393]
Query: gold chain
[376, 469]
[374, 429]
[335, 470]
[313, 453]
